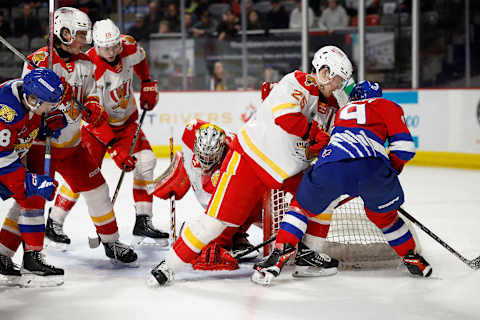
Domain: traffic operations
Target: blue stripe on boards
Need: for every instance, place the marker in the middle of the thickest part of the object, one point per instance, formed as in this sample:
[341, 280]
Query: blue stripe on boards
[402, 97]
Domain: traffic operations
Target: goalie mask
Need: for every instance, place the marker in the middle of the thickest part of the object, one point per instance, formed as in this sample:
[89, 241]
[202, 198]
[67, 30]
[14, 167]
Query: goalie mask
[335, 60]
[209, 145]
[73, 20]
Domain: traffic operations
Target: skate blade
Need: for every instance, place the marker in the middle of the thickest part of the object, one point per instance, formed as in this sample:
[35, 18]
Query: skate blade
[263, 279]
[140, 241]
[308, 271]
[10, 281]
[133, 264]
[56, 245]
[30, 280]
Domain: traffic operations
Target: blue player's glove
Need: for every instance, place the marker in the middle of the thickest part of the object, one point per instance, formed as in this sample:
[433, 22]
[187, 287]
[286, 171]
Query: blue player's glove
[52, 124]
[40, 185]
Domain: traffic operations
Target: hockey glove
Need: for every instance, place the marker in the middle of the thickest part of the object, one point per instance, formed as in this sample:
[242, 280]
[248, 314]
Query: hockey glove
[317, 143]
[40, 185]
[214, 257]
[122, 158]
[97, 115]
[149, 95]
[52, 124]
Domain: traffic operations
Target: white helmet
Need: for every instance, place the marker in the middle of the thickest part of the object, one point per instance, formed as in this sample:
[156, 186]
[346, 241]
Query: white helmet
[73, 20]
[105, 33]
[209, 145]
[335, 59]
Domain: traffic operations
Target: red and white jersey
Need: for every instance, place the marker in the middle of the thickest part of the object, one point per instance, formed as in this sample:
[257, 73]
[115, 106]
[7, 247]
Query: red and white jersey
[79, 74]
[203, 184]
[279, 153]
[114, 83]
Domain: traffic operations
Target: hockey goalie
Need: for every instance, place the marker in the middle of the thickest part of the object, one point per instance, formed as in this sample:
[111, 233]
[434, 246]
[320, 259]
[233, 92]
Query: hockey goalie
[204, 147]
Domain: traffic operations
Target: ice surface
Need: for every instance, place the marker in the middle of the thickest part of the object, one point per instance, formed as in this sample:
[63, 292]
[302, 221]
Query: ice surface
[446, 200]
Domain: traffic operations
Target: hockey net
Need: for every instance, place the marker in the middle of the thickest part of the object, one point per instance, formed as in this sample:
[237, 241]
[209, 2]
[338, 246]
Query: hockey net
[352, 239]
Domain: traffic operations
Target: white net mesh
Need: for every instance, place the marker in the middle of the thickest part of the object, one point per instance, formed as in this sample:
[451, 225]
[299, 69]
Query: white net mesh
[352, 239]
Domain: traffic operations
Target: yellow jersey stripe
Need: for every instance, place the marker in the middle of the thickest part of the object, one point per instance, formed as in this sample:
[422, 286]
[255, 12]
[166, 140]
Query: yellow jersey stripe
[103, 218]
[220, 191]
[69, 193]
[11, 224]
[263, 156]
[192, 239]
[141, 183]
[324, 216]
[69, 143]
[283, 106]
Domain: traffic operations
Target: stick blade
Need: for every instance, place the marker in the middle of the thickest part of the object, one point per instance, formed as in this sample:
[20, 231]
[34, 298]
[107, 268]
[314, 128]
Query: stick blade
[475, 263]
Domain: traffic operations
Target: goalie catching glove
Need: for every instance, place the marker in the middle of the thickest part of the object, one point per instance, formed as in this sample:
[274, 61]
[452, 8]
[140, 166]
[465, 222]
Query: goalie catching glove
[215, 258]
[173, 180]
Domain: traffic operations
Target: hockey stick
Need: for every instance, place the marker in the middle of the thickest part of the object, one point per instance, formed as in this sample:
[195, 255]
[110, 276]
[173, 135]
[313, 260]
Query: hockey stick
[33, 65]
[130, 152]
[48, 151]
[474, 263]
[263, 244]
[173, 218]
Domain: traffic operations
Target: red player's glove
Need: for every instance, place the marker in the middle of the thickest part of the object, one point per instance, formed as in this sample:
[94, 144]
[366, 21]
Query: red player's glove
[149, 95]
[318, 140]
[214, 257]
[95, 115]
[122, 158]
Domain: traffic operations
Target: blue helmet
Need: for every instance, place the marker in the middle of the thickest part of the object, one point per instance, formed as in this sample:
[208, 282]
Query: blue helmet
[44, 84]
[366, 90]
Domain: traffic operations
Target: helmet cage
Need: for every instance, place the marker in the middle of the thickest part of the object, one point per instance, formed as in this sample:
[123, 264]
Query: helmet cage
[209, 145]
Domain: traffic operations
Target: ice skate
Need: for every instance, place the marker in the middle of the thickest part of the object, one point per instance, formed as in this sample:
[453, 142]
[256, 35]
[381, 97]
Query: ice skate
[120, 253]
[9, 272]
[55, 236]
[144, 229]
[37, 273]
[417, 265]
[270, 268]
[161, 275]
[309, 263]
[241, 245]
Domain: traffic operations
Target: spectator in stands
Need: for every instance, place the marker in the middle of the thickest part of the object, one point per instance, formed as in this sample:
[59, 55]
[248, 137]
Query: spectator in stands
[218, 79]
[277, 17]
[333, 17]
[188, 20]
[229, 26]
[172, 16]
[5, 30]
[198, 7]
[27, 25]
[139, 30]
[254, 22]
[296, 16]
[163, 27]
[153, 14]
[237, 6]
[205, 27]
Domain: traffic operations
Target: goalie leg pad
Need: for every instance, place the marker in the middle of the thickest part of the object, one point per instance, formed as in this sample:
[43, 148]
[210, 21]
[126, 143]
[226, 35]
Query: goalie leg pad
[215, 258]
[173, 180]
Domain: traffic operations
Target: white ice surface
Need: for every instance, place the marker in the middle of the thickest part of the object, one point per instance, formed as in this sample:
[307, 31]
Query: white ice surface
[445, 200]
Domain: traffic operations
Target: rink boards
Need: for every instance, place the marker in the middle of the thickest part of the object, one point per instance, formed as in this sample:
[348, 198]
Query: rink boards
[445, 124]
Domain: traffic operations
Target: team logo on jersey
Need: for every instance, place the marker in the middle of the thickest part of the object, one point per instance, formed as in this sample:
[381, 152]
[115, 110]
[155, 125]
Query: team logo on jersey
[309, 81]
[24, 144]
[215, 177]
[39, 57]
[322, 107]
[121, 95]
[326, 153]
[128, 39]
[7, 113]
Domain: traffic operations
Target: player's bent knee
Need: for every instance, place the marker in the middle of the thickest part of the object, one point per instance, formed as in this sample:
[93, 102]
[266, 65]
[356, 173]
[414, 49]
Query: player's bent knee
[205, 229]
[146, 162]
